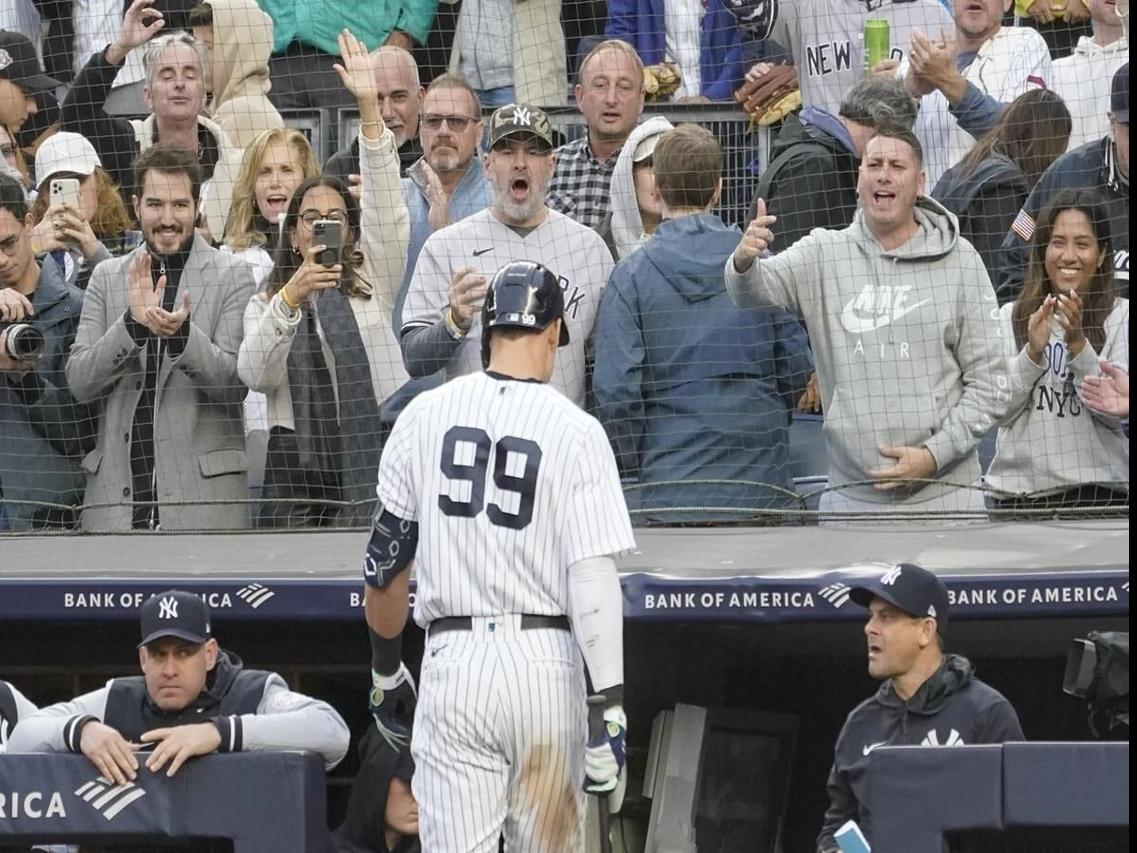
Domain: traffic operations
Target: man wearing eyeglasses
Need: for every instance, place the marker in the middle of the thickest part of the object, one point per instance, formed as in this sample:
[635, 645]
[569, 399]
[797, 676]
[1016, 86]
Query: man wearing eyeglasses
[45, 432]
[400, 102]
[445, 185]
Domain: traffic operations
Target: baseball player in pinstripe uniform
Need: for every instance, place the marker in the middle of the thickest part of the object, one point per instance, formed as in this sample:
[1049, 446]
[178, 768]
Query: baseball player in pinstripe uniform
[517, 497]
[440, 323]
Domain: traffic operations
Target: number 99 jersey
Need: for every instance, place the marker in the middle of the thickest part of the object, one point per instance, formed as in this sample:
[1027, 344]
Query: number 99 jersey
[510, 483]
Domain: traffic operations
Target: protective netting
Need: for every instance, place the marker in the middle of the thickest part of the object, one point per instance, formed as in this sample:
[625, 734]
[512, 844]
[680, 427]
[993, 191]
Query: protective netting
[178, 354]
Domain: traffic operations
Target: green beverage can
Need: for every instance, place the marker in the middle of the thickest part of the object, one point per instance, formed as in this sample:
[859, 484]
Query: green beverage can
[876, 42]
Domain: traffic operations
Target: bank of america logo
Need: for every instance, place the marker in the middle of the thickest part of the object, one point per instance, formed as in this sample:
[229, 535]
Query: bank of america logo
[107, 798]
[836, 594]
[933, 739]
[255, 594]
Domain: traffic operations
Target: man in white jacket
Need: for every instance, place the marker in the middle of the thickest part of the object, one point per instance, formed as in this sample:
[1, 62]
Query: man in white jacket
[964, 79]
[1083, 78]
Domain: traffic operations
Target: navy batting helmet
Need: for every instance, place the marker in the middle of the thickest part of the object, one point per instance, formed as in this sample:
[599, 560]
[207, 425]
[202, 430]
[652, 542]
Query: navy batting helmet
[522, 295]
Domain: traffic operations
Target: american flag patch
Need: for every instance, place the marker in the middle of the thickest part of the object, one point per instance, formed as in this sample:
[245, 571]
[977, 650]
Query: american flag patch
[1023, 225]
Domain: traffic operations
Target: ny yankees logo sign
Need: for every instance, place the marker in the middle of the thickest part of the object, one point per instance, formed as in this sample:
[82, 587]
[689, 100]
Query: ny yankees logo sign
[891, 576]
[168, 608]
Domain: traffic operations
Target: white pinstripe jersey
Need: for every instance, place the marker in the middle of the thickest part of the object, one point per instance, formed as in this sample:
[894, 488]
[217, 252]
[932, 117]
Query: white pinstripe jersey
[575, 254]
[510, 484]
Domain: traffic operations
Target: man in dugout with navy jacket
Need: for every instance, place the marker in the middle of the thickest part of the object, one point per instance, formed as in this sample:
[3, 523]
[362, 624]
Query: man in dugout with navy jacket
[193, 698]
[928, 698]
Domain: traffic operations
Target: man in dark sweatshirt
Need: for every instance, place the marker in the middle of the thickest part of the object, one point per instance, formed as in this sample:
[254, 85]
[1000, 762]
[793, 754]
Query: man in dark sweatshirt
[928, 698]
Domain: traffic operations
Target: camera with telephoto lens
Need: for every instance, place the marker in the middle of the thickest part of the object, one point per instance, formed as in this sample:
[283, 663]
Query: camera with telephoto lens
[22, 341]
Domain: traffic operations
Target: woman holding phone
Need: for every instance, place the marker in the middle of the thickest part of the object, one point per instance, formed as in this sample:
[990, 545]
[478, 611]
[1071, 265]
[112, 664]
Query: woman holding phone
[80, 219]
[319, 338]
[1054, 450]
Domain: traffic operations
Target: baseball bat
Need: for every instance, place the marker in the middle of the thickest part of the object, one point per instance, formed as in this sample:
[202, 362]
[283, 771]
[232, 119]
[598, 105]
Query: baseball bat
[596, 729]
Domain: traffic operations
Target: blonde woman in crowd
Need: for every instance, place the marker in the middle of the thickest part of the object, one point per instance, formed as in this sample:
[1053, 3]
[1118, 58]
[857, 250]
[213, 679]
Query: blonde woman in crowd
[271, 170]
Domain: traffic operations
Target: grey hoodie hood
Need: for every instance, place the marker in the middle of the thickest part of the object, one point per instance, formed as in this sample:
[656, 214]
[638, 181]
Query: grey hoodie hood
[936, 236]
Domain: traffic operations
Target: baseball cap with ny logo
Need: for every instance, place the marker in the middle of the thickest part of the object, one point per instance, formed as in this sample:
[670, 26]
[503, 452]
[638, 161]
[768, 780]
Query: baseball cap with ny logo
[175, 613]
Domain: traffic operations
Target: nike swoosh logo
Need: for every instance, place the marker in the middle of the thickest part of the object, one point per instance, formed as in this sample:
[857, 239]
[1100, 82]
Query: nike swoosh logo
[858, 325]
[479, 252]
[867, 749]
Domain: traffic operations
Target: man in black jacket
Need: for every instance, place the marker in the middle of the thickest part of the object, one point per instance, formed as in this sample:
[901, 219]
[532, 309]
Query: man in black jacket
[1102, 166]
[927, 698]
[811, 181]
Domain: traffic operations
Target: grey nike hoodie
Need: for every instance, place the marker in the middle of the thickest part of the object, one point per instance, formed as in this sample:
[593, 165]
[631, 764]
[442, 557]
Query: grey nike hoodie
[906, 343]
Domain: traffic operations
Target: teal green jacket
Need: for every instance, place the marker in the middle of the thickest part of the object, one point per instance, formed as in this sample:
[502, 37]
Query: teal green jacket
[318, 22]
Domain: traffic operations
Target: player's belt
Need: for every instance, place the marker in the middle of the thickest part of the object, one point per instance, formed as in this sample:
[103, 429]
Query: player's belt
[529, 622]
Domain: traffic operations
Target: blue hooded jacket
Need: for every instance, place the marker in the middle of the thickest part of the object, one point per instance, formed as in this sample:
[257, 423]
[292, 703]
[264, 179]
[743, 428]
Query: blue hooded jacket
[688, 386]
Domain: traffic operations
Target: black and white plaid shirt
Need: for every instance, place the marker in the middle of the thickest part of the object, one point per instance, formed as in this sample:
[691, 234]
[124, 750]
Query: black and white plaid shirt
[581, 186]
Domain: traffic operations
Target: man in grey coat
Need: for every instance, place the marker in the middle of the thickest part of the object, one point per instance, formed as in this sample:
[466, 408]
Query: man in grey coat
[157, 347]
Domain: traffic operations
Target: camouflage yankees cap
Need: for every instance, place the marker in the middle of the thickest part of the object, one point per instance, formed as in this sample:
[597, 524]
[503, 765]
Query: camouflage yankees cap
[516, 119]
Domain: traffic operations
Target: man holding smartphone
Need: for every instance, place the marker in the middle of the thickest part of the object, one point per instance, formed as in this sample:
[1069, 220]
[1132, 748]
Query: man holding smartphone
[928, 698]
[45, 431]
[171, 447]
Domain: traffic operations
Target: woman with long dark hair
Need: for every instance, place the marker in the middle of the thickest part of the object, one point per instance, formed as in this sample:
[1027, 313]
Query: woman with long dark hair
[319, 338]
[1053, 450]
[987, 188]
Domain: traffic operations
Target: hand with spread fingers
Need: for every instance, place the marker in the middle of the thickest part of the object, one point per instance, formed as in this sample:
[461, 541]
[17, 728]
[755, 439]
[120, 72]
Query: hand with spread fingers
[140, 24]
[177, 744]
[1108, 393]
[467, 291]
[111, 753]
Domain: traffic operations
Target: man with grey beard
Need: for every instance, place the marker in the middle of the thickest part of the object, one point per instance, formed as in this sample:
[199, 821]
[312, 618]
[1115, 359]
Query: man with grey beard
[441, 327]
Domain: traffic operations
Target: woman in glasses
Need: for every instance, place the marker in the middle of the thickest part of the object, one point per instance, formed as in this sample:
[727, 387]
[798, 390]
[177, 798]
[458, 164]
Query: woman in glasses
[271, 169]
[319, 339]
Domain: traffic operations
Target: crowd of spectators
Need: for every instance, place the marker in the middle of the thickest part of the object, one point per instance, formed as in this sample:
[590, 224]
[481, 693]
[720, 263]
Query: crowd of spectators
[198, 317]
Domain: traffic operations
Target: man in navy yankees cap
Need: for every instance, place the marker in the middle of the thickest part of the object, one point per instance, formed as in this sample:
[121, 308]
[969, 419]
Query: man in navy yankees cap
[175, 614]
[927, 698]
[193, 698]
[911, 588]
